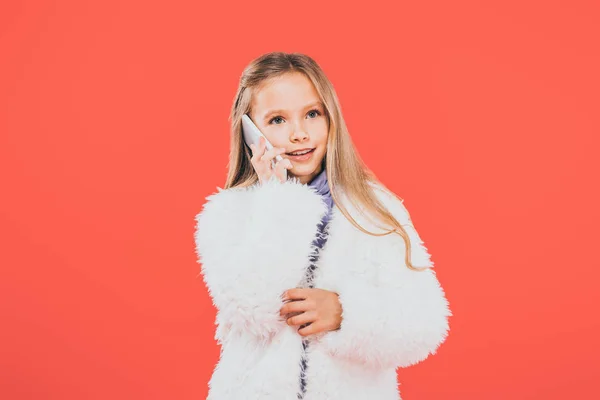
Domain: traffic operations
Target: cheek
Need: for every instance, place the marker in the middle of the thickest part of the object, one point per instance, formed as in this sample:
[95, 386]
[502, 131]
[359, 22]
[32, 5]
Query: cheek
[323, 140]
[323, 133]
[274, 139]
[323, 151]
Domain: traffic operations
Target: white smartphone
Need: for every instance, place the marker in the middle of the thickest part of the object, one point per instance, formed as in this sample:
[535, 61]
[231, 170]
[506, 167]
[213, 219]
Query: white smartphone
[252, 135]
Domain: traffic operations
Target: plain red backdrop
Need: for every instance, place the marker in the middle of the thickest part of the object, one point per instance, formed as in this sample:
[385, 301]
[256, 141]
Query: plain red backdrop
[483, 116]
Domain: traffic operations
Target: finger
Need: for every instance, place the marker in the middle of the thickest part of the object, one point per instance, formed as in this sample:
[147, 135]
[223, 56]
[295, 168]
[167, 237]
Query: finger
[308, 330]
[284, 164]
[297, 293]
[271, 154]
[281, 167]
[285, 317]
[290, 315]
[257, 152]
[295, 306]
[313, 328]
[301, 319]
[262, 170]
[262, 146]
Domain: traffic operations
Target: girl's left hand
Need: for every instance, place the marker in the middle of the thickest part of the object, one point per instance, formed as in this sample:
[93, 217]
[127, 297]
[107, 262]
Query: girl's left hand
[319, 308]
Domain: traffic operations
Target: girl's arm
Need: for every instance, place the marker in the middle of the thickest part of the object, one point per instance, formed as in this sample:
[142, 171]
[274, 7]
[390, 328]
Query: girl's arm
[253, 244]
[398, 322]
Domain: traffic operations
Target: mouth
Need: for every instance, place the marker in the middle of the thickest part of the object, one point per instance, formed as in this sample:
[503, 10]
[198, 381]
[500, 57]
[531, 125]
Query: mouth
[301, 155]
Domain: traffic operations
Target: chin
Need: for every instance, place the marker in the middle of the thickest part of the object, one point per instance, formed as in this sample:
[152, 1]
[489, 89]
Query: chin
[303, 173]
[304, 170]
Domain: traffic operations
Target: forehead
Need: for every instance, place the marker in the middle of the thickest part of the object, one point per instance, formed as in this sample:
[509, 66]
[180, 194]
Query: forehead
[288, 92]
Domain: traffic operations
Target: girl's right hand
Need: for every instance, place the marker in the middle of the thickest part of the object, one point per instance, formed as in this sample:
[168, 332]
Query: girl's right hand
[262, 162]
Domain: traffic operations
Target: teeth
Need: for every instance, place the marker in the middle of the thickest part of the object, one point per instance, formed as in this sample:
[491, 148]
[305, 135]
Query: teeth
[300, 153]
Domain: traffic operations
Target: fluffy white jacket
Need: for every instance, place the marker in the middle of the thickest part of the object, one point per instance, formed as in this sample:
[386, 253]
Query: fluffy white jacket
[254, 243]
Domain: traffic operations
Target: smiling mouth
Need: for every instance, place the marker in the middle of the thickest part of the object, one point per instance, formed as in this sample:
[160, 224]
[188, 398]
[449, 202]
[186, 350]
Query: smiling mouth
[300, 153]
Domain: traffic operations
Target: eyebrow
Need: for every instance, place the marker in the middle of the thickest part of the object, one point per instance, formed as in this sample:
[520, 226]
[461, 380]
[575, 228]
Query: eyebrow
[316, 103]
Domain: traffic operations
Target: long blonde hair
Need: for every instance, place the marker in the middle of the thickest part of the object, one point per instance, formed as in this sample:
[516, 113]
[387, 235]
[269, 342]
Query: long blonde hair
[345, 169]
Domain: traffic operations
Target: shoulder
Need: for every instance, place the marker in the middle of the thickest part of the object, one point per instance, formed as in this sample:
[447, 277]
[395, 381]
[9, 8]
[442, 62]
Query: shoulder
[222, 203]
[220, 220]
[229, 215]
[238, 203]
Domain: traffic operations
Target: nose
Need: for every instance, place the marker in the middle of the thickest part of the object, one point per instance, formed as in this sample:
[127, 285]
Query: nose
[299, 134]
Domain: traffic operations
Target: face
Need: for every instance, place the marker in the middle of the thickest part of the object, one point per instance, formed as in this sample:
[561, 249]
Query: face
[289, 112]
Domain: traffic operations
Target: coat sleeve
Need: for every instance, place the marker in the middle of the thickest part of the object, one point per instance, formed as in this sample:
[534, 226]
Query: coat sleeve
[401, 319]
[253, 244]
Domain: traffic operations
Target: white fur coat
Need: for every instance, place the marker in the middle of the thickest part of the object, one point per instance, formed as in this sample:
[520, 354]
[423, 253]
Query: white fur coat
[254, 243]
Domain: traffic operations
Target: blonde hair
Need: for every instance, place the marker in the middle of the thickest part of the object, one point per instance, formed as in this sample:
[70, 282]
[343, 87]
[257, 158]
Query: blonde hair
[345, 172]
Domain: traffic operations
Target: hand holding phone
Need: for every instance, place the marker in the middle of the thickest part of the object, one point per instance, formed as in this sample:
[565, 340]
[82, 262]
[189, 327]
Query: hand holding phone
[262, 161]
[252, 134]
[263, 153]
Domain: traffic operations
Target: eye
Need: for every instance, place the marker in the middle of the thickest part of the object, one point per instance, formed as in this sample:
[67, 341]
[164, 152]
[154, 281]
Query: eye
[273, 119]
[317, 112]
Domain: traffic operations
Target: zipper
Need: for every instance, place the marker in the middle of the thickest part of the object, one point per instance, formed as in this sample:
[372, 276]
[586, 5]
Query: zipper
[303, 367]
[308, 280]
[304, 354]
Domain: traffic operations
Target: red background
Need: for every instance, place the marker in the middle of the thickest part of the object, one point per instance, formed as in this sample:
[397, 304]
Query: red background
[483, 116]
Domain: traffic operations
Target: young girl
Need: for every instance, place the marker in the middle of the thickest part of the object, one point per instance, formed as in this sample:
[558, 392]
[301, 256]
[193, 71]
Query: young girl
[322, 286]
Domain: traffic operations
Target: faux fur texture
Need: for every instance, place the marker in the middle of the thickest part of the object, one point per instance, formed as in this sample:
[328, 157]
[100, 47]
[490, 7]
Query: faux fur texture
[254, 243]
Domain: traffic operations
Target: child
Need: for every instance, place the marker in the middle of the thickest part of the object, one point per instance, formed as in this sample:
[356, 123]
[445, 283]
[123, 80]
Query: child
[322, 286]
